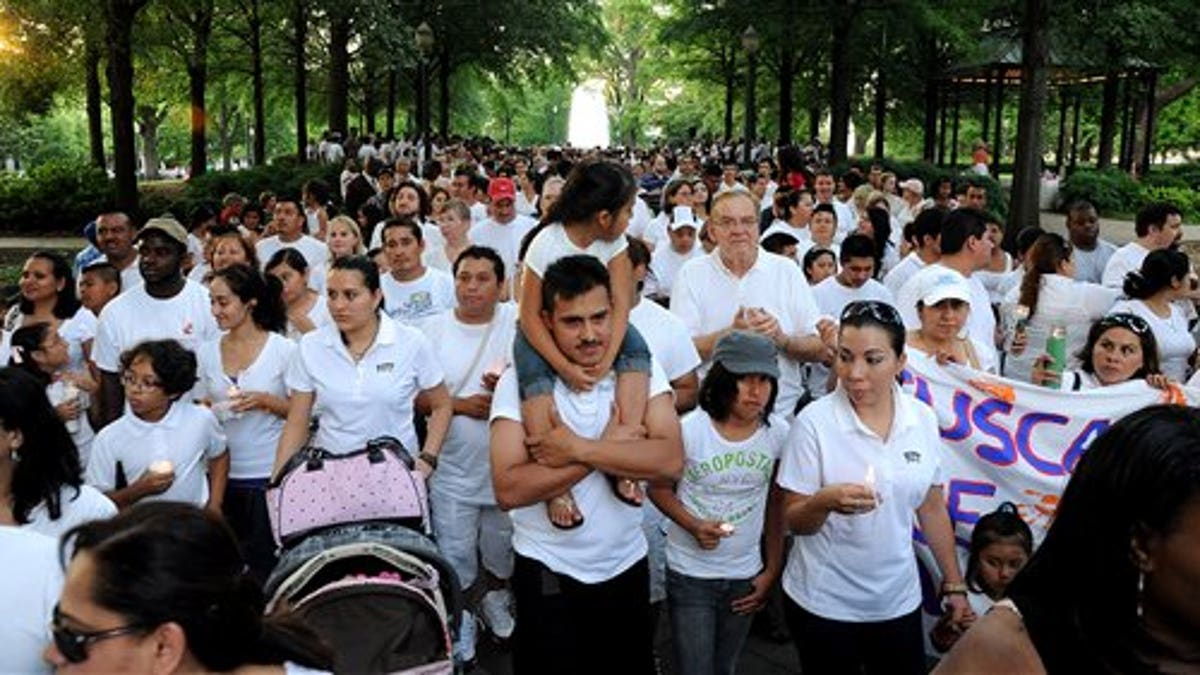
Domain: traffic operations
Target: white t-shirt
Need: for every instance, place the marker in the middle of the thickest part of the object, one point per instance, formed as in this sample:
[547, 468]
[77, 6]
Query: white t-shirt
[1090, 265]
[315, 253]
[1062, 301]
[860, 567]
[707, 297]
[358, 402]
[552, 243]
[134, 317]
[802, 234]
[479, 212]
[1175, 342]
[666, 262]
[251, 436]
[83, 434]
[981, 322]
[76, 507]
[131, 275]
[188, 437]
[29, 589]
[464, 465]
[832, 297]
[902, 272]
[727, 481]
[410, 301]
[667, 337]
[1123, 261]
[505, 240]
[610, 540]
[318, 314]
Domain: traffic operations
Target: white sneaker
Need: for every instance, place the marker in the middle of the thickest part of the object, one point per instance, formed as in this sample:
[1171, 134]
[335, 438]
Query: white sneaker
[464, 647]
[494, 609]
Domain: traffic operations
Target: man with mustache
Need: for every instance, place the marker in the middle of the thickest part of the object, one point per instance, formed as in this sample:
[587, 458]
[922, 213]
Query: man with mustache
[581, 593]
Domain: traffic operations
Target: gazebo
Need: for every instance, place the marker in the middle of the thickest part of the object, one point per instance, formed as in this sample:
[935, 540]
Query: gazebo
[999, 67]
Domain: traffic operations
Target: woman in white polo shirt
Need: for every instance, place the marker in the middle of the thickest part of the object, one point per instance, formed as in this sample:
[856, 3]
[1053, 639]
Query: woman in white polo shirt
[858, 465]
[362, 375]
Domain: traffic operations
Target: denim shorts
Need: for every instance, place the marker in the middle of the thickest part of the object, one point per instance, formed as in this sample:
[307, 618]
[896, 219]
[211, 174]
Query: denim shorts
[536, 377]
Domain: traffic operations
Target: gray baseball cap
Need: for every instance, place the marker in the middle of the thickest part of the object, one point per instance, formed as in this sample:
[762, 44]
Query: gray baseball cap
[745, 353]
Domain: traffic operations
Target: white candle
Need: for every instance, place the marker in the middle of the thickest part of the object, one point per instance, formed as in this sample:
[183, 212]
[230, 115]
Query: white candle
[162, 466]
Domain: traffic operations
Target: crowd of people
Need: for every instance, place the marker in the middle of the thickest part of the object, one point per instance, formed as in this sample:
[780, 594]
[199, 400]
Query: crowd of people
[667, 384]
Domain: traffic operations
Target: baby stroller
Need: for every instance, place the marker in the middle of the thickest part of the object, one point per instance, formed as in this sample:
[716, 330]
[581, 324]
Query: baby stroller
[375, 589]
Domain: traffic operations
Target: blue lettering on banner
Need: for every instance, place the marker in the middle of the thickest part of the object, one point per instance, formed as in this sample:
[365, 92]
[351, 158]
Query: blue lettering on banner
[958, 488]
[1093, 429]
[962, 417]
[1025, 429]
[1006, 454]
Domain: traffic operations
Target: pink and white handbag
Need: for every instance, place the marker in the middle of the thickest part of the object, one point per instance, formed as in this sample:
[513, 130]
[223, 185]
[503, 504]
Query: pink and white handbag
[318, 489]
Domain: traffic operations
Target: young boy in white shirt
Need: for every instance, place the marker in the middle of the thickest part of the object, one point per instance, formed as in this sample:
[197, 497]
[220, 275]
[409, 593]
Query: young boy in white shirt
[162, 448]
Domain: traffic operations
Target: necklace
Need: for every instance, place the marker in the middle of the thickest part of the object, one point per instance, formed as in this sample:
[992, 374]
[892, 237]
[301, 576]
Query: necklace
[358, 354]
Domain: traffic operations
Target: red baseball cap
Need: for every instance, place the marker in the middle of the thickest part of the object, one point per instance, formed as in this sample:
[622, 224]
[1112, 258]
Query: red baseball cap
[501, 188]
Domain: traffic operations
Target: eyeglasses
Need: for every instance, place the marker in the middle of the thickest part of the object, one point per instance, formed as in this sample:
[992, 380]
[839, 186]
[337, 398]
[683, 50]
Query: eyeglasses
[130, 381]
[73, 645]
[873, 309]
[1131, 322]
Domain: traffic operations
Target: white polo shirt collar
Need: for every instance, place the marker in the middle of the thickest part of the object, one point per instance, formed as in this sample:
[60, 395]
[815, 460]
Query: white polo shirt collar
[331, 337]
[848, 421]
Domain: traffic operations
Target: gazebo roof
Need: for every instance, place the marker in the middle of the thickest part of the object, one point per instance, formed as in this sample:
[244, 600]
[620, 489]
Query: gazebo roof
[1000, 53]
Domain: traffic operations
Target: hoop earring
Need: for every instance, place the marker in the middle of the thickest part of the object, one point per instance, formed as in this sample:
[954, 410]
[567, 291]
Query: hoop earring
[1141, 588]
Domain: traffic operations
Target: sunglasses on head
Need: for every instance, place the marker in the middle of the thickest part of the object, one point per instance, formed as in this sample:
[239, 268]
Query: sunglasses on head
[874, 309]
[1131, 322]
[73, 644]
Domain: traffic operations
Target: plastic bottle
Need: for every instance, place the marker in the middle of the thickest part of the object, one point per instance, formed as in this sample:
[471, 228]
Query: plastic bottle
[1056, 349]
[71, 393]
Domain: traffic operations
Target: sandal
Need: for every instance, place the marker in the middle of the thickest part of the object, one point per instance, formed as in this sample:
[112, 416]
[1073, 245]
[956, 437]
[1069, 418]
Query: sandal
[565, 501]
[619, 483]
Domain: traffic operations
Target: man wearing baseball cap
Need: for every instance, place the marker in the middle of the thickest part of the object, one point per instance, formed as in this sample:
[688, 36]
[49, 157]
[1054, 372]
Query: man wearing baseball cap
[912, 194]
[503, 229]
[164, 306]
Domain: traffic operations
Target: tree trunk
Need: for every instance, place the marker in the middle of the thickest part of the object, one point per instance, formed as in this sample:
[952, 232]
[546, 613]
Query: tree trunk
[787, 76]
[391, 103]
[1108, 120]
[444, 93]
[730, 83]
[368, 110]
[839, 82]
[1027, 165]
[149, 120]
[119, 17]
[197, 79]
[1162, 98]
[259, 152]
[91, 63]
[300, 36]
[929, 127]
[225, 124]
[339, 71]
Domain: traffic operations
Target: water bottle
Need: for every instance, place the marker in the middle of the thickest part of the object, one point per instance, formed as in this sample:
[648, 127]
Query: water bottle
[1056, 349]
[71, 394]
[1020, 322]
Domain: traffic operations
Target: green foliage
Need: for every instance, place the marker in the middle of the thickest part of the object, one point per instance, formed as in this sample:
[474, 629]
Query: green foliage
[1186, 199]
[1110, 191]
[53, 197]
[281, 178]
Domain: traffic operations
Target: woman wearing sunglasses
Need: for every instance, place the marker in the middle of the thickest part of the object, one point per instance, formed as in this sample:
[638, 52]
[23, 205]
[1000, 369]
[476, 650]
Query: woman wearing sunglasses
[162, 588]
[861, 468]
[1119, 348]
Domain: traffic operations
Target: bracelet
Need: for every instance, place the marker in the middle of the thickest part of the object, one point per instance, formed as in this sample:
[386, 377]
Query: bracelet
[954, 589]
[428, 458]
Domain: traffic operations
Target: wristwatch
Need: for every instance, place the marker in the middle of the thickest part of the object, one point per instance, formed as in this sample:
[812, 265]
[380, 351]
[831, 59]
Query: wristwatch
[429, 458]
[954, 589]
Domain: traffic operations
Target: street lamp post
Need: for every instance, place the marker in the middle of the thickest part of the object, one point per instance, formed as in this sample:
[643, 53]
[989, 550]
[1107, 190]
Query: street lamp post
[750, 43]
[424, 38]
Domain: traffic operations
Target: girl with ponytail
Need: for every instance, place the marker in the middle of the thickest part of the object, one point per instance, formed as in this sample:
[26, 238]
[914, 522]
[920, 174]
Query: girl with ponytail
[1163, 278]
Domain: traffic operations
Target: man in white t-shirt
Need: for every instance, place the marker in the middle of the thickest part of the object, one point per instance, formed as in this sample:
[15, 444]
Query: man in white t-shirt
[1157, 226]
[823, 189]
[1089, 252]
[464, 186]
[288, 220]
[966, 249]
[165, 305]
[504, 230]
[669, 341]
[29, 589]
[581, 592]
[411, 291]
[925, 241]
[854, 281]
[473, 342]
[742, 287]
[115, 239]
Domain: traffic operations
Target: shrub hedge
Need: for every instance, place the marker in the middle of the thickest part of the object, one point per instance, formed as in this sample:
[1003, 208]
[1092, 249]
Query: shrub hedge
[1115, 192]
[63, 196]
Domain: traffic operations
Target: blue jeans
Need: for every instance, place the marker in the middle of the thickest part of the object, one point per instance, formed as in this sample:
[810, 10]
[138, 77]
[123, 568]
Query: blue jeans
[707, 635]
[535, 376]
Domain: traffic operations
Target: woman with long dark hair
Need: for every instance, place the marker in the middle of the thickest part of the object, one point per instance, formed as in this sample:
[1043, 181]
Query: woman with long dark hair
[162, 588]
[1153, 291]
[1115, 585]
[41, 479]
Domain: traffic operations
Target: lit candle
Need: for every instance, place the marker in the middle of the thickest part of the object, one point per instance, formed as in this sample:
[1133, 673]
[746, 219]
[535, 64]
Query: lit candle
[162, 466]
